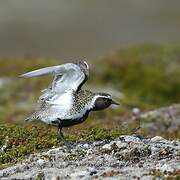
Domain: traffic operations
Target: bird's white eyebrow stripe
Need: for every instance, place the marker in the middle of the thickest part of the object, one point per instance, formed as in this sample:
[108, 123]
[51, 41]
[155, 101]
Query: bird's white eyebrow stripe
[109, 97]
[86, 64]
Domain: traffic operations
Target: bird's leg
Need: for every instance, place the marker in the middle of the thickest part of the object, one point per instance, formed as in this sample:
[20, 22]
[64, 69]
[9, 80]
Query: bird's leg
[60, 136]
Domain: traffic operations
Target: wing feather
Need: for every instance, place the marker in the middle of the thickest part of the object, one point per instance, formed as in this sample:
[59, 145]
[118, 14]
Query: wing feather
[44, 71]
[69, 76]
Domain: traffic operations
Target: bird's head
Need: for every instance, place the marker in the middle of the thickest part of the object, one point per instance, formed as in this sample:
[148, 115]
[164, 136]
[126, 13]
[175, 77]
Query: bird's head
[84, 67]
[102, 101]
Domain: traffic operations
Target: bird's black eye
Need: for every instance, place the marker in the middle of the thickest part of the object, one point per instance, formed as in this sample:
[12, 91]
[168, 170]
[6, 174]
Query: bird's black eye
[106, 100]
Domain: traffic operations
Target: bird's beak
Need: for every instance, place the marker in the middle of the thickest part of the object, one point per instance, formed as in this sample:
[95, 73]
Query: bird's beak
[113, 102]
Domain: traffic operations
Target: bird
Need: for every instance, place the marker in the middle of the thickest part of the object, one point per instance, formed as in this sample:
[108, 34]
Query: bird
[64, 103]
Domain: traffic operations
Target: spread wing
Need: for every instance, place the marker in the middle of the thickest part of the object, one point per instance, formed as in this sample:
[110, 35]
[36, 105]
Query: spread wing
[70, 76]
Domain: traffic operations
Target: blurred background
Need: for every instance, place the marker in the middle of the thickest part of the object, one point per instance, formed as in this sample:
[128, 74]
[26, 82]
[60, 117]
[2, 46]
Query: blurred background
[72, 29]
[133, 48]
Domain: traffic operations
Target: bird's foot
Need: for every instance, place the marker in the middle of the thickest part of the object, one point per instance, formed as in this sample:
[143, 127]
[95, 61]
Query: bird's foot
[60, 137]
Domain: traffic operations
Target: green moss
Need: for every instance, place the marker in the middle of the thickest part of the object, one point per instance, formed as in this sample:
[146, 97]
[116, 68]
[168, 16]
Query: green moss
[40, 176]
[98, 134]
[75, 156]
[20, 141]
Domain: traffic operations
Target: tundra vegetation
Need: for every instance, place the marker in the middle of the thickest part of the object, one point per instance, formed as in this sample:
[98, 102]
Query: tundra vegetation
[144, 77]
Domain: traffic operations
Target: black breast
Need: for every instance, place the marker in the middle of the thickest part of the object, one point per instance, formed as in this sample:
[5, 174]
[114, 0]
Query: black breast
[71, 122]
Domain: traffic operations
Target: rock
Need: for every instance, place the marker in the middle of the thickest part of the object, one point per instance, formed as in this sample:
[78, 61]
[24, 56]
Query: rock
[164, 120]
[107, 146]
[131, 138]
[166, 169]
[136, 111]
[92, 171]
[126, 157]
[86, 146]
[40, 162]
[79, 174]
[154, 152]
[121, 145]
[157, 138]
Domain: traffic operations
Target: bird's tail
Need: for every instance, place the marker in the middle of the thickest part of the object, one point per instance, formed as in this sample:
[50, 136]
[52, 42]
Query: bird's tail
[28, 119]
[31, 117]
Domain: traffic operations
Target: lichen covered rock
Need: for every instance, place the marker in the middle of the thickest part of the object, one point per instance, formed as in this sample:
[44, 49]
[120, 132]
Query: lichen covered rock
[125, 157]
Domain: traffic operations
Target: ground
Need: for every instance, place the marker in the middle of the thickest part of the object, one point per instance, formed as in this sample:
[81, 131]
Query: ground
[125, 157]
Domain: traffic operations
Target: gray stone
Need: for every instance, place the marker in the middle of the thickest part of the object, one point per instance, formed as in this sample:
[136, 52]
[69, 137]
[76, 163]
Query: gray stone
[126, 157]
